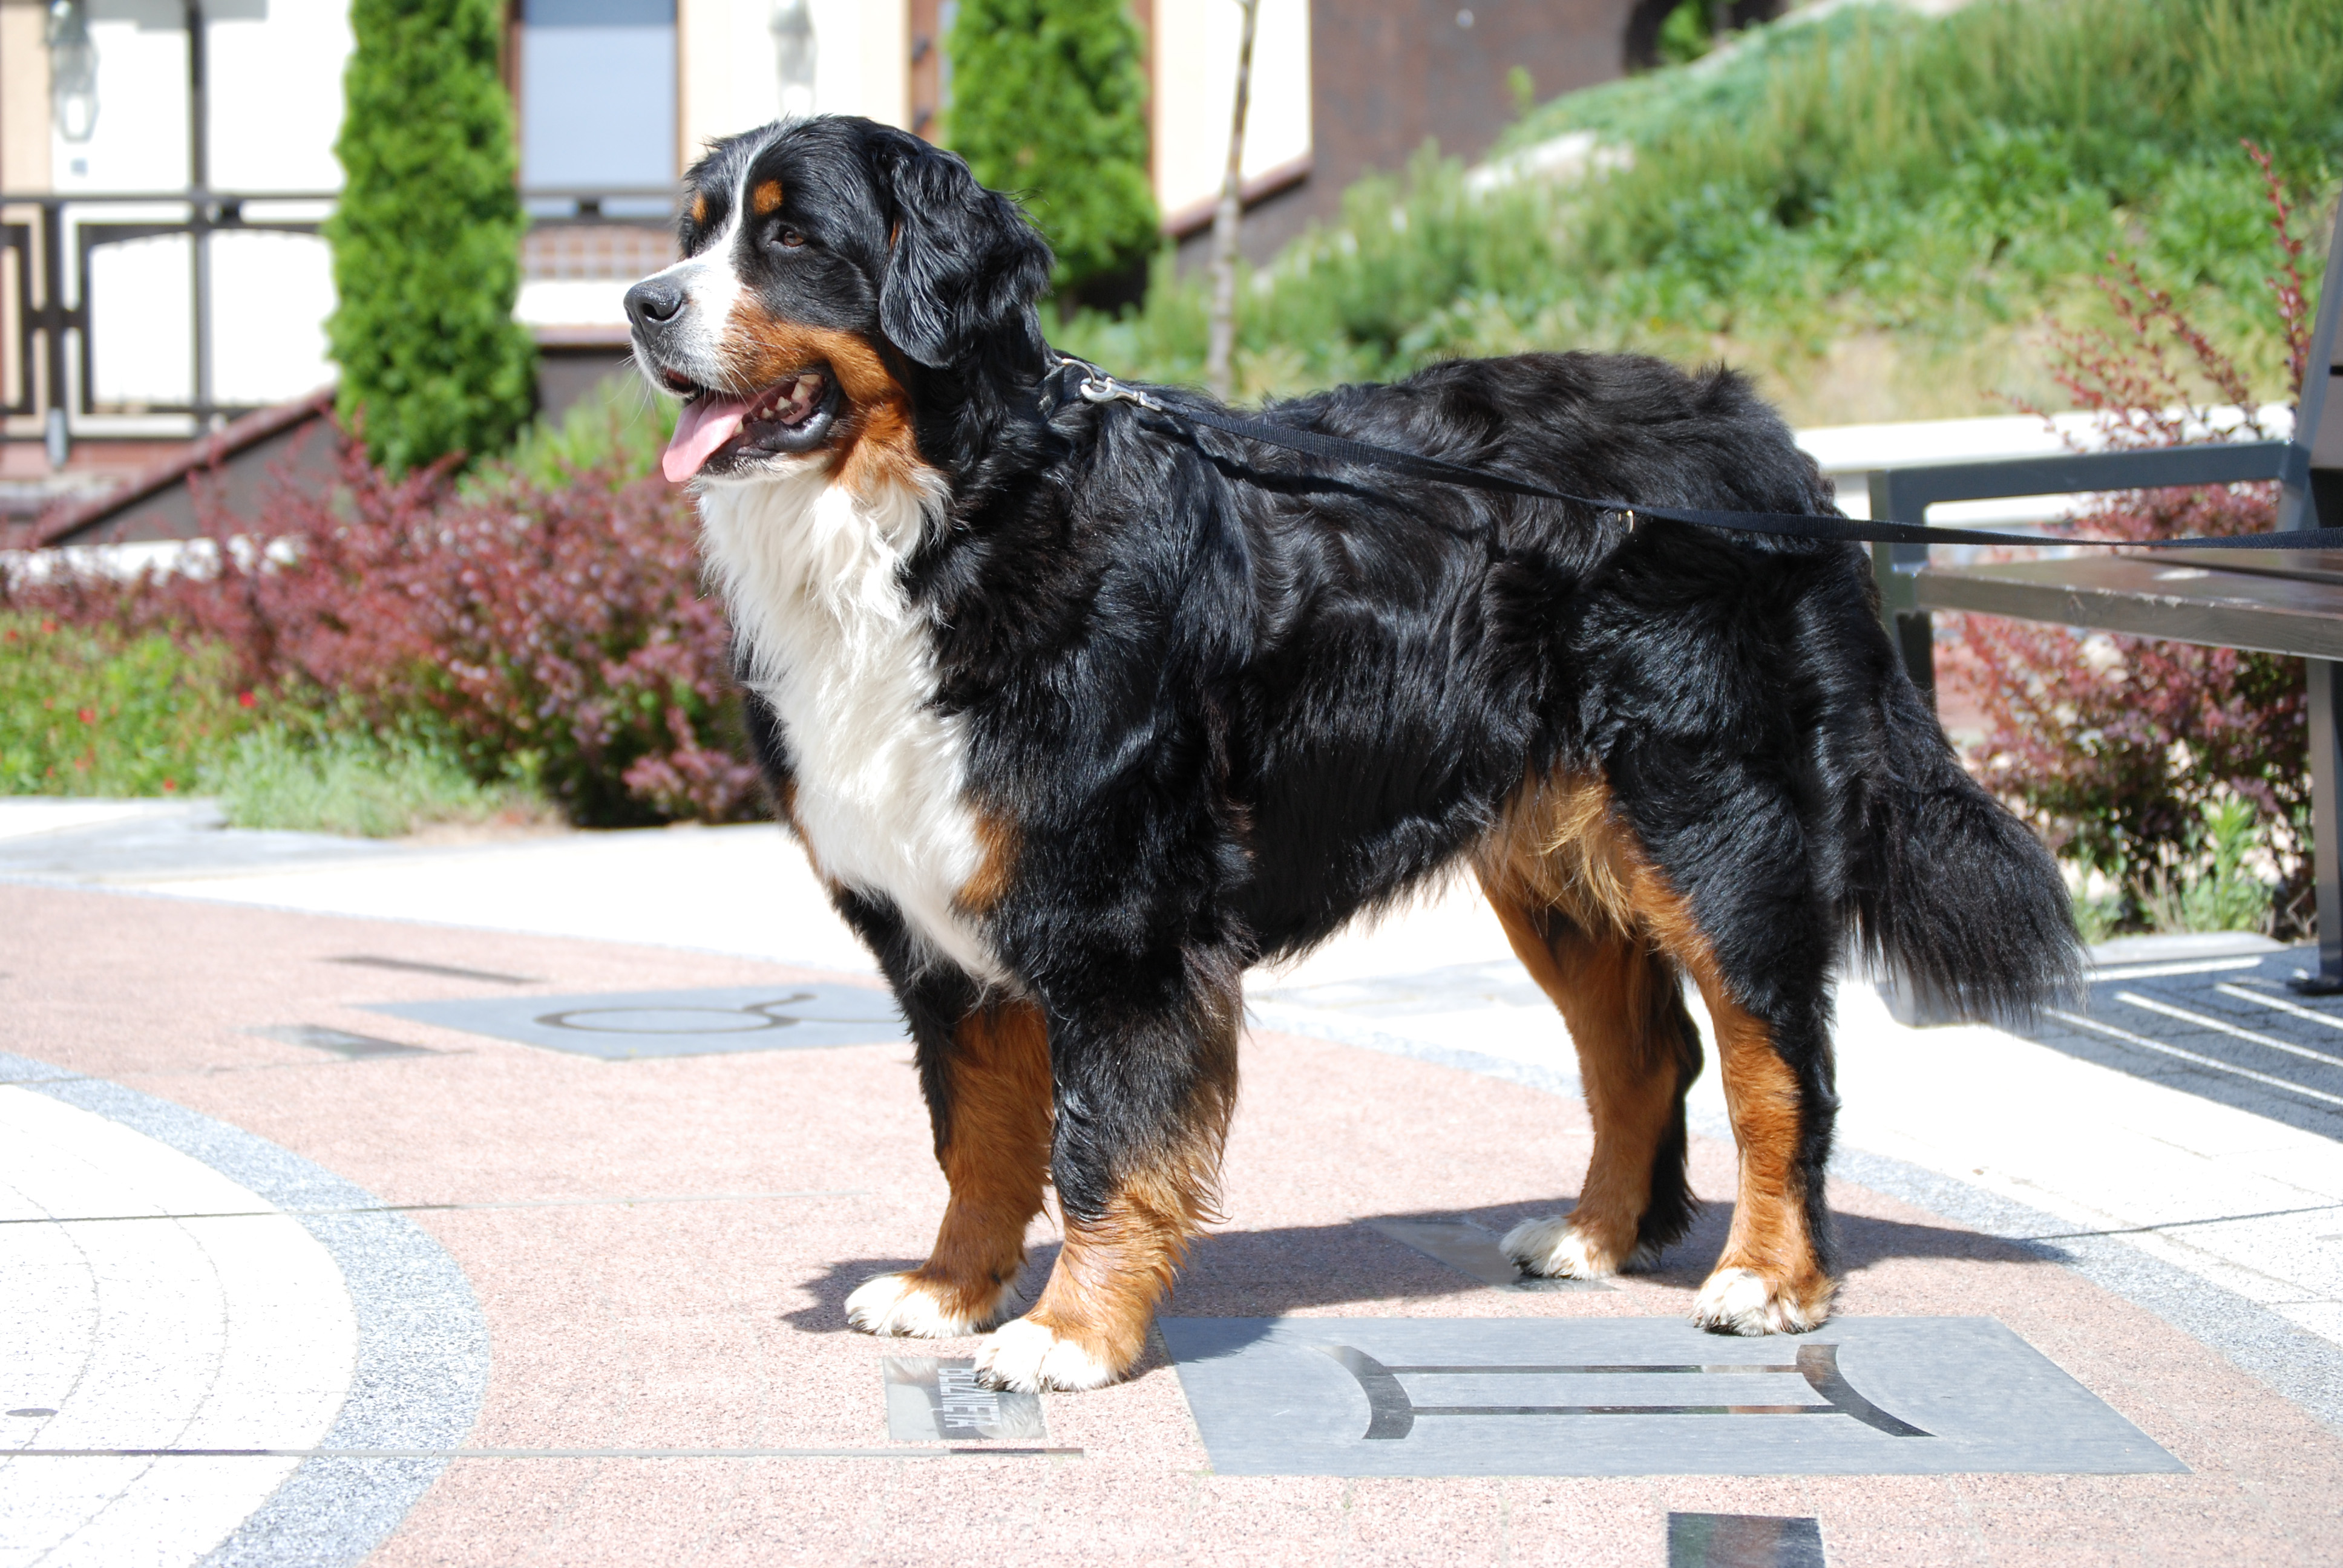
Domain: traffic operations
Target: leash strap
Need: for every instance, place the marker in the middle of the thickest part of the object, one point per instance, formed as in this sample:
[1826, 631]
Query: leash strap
[1098, 386]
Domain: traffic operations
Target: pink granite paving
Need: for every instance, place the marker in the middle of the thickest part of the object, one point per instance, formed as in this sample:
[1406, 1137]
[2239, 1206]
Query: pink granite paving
[716, 1322]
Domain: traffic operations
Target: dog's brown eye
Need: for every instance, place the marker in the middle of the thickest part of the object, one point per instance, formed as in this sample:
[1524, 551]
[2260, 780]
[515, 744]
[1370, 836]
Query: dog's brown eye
[790, 237]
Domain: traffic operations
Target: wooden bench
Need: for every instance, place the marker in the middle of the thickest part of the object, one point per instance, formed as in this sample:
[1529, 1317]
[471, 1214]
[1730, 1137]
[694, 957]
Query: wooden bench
[2284, 602]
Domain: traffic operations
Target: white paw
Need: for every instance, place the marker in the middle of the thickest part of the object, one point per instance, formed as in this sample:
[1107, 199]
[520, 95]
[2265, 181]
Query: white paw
[1741, 1302]
[1551, 1250]
[898, 1304]
[1029, 1357]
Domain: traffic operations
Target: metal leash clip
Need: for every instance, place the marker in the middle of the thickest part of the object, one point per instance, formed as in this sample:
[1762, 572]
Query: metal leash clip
[1098, 386]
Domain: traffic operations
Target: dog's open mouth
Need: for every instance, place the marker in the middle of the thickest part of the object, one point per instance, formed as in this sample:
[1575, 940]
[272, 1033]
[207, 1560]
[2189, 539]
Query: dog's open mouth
[714, 432]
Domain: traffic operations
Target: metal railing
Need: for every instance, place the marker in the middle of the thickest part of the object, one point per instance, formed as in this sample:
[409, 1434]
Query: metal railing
[54, 240]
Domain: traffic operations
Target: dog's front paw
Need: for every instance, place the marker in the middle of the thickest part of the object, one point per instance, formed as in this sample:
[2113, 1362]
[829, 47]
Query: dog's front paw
[923, 1309]
[1030, 1356]
[1553, 1250]
[1743, 1301]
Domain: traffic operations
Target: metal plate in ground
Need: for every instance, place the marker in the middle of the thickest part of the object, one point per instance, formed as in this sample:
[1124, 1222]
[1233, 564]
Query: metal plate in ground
[1470, 1250]
[937, 1399]
[1638, 1396]
[621, 1026]
[1743, 1541]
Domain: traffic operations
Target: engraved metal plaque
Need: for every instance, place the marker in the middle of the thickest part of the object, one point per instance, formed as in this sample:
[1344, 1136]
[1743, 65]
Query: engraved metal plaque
[1638, 1396]
[936, 1399]
[1743, 1541]
[621, 1026]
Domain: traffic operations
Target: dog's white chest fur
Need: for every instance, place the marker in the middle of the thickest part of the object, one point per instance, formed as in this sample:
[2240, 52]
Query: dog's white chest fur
[812, 576]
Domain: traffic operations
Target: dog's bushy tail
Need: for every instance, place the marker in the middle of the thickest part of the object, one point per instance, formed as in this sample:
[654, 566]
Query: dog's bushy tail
[1957, 895]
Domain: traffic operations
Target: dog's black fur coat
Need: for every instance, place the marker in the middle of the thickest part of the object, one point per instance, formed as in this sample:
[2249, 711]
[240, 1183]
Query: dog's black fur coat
[1231, 699]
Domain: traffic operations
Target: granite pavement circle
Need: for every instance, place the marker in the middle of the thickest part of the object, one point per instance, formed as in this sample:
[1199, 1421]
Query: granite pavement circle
[659, 1249]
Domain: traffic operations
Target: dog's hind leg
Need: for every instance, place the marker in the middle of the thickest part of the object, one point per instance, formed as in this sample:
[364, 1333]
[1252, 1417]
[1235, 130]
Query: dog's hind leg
[1586, 904]
[1638, 1051]
[1774, 1276]
[1770, 1010]
[1143, 1098]
[989, 1095]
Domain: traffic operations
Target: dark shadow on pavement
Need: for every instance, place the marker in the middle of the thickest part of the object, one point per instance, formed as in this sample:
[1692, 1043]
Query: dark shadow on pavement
[1268, 1274]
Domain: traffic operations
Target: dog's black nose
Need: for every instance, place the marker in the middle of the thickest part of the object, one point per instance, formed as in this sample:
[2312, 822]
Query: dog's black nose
[654, 299]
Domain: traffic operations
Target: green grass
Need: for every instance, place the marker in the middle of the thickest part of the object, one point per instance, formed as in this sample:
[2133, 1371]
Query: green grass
[85, 711]
[313, 779]
[1875, 212]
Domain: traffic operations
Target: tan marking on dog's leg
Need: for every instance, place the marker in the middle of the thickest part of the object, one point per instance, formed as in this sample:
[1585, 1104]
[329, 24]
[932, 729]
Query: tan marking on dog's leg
[997, 1158]
[1606, 987]
[1768, 1280]
[1090, 1322]
[1560, 845]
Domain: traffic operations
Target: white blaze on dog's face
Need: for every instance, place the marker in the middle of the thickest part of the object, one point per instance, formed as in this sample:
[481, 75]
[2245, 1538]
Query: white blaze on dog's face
[768, 327]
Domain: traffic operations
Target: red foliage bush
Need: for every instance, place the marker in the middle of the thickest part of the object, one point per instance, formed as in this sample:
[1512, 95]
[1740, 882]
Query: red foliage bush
[557, 634]
[2115, 745]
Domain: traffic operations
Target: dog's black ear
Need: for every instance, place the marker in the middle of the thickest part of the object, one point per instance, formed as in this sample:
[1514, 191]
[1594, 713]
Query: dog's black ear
[962, 261]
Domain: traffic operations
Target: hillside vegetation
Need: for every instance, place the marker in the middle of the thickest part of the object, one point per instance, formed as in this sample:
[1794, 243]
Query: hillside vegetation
[1873, 211]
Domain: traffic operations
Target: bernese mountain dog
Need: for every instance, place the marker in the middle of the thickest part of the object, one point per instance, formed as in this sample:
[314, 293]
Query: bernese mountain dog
[1081, 711]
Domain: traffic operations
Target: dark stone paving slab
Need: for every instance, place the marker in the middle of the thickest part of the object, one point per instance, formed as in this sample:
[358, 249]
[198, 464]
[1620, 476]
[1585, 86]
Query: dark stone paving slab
[625, 1026]
[1639, 1396]
[2227, 1028]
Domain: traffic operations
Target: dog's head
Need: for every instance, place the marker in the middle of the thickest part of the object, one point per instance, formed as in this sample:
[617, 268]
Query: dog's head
[823, 259]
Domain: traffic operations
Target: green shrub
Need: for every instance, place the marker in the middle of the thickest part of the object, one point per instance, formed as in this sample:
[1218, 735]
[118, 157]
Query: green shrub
[1049, 102]
[427, 236]
[615, 434]
[2222, 894]
[86, 711]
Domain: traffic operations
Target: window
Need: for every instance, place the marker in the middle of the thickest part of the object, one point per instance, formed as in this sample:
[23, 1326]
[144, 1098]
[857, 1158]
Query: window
[597, 96]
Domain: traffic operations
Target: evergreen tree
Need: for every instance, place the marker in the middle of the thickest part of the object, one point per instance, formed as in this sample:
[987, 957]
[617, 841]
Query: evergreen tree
[426, 239]
[1048, 102]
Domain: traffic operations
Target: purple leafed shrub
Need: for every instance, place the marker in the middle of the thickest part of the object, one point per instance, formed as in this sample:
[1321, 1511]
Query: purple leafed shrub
[557, 634]
[2120, 746]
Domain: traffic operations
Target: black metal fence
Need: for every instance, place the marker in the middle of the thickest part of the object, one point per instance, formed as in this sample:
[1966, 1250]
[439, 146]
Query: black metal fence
[48, 240]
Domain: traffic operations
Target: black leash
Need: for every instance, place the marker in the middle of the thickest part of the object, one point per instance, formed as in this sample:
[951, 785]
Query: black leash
[1097, 386]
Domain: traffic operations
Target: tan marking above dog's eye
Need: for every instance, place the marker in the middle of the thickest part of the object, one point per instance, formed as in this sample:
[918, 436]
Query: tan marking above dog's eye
[766, 197]
[698, 208]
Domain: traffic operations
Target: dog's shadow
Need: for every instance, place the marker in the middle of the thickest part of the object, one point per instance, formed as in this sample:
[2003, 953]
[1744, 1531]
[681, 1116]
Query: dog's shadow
[1267, 1273]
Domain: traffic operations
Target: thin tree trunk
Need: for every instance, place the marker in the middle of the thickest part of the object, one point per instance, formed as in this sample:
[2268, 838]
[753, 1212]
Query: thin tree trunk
[1226, 217]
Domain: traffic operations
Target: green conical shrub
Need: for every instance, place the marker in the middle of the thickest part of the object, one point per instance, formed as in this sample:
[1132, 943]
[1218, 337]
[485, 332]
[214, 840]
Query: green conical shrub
[1048, 102]
[426, 239]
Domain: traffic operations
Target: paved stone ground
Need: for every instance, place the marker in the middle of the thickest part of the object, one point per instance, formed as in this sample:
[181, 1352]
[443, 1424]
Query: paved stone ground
[656, 1251]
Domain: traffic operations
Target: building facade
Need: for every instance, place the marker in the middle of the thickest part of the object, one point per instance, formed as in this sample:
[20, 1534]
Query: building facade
[154, 317]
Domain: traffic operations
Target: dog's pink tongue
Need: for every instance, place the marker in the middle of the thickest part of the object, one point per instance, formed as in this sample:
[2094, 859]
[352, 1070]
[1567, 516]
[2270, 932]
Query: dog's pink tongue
[705, 423]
